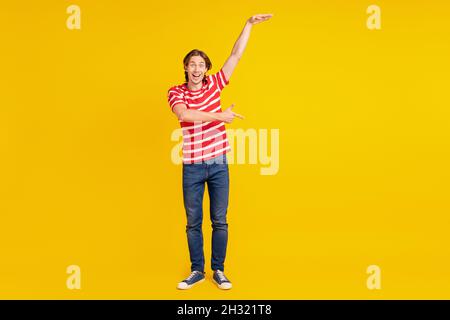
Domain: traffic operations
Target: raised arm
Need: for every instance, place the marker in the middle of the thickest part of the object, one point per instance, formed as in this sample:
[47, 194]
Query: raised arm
[241, 43]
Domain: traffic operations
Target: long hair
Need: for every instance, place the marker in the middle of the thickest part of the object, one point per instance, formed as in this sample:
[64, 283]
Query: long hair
[193, 53]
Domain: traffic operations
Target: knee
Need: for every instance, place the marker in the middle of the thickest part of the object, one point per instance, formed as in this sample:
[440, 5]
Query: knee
[220, 225]
[194, 218]
[193, 226]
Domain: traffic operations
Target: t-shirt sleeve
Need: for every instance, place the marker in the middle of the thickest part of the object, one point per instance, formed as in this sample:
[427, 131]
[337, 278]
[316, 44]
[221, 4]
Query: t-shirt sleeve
[220, 79]
[174, 96]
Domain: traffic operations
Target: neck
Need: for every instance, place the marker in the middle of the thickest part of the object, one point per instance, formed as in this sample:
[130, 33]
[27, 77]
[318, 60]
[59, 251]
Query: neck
[193, 87]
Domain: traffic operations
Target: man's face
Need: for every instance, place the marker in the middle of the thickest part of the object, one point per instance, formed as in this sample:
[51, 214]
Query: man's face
[196, 69]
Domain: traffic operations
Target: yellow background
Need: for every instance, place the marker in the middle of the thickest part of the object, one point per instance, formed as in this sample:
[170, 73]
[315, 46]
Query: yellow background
[87, 179]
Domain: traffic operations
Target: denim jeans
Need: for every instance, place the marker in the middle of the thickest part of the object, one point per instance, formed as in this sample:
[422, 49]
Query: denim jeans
[215, 173]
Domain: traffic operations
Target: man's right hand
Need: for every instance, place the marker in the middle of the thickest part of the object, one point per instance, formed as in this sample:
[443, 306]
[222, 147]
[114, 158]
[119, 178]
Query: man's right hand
[228, 115]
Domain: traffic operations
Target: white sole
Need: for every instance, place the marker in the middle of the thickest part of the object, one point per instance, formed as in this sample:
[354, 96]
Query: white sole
[190, 285]
[220, 286]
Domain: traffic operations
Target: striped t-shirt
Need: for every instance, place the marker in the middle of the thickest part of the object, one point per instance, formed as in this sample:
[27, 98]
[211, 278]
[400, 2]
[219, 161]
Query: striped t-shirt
[202, 140]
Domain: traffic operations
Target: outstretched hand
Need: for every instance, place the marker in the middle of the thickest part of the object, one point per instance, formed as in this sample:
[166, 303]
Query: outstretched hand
[228, 115]
[258, 18]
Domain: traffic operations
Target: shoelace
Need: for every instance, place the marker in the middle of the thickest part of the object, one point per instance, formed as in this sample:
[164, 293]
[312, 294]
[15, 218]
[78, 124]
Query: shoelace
[191, 275]
[222, 276]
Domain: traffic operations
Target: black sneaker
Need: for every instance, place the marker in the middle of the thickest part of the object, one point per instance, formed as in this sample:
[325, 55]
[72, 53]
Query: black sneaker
[194, 277]
[221, 281]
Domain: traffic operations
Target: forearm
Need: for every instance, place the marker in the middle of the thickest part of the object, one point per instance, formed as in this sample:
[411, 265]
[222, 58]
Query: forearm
[191, 115]
[241, 42]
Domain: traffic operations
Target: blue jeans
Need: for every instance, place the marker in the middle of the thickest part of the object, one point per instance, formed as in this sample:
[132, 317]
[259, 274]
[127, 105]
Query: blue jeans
[215, 173]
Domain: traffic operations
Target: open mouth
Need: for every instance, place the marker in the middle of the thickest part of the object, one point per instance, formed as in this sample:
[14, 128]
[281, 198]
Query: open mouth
[196, 76]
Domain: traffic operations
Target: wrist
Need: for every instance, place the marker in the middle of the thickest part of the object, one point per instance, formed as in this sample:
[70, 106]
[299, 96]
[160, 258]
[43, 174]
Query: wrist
[219, 116]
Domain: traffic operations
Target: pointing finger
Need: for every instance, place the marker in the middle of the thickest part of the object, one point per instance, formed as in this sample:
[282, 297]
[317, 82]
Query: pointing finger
[238, 115]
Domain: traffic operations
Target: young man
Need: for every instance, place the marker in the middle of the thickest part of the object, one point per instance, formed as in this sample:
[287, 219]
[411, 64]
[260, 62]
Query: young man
[196, 103]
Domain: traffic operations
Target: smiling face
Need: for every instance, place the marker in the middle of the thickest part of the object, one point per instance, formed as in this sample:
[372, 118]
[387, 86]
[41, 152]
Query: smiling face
[196, 69]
